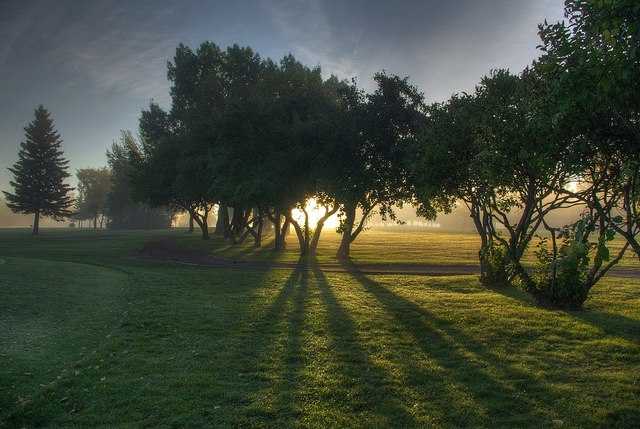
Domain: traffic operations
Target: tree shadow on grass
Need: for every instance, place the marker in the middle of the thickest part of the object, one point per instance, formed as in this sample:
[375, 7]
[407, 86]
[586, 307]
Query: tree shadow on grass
[612, 324]
[292, 363]
[251, 364]
[615, 325]
[506, 393]
[373, 393]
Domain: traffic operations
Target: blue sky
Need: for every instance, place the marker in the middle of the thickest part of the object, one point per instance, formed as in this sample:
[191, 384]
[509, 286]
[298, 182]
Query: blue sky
[95, 64]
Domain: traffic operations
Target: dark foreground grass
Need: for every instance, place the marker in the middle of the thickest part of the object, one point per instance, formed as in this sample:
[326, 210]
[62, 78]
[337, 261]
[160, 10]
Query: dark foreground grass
[90, 337]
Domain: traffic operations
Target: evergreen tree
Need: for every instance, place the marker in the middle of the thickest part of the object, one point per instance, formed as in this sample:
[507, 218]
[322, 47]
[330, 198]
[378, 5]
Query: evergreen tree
[39, 173]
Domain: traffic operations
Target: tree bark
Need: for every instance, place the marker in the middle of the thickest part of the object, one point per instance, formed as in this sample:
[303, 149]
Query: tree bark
[220, 220]
[276, 229]
[190, 223]
[201, 220]
[313, 246]
[301, 232]
[36, 223]
[345, 243]
[205, 228]
[259, 229]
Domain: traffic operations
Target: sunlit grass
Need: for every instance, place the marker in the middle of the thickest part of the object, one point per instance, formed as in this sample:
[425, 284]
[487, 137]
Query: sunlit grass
[103, 339]
[381, 246]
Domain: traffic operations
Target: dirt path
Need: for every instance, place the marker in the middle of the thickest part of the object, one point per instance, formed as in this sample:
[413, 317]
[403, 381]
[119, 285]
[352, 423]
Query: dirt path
[167, 250]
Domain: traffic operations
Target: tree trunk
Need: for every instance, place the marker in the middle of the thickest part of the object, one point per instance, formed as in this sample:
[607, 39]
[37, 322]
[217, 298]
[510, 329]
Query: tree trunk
[301, 232]
[286, 226]
[95, 222]
[226, 230]
[276, 229]
[259, 228]
[201, 220]
[36, 223]
[220, 220]
[190, 223]
[205, 228]
[635, 246]
[345, 243]
[313, 246]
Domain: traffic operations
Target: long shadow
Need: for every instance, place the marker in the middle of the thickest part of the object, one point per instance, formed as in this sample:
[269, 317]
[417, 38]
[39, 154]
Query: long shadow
[293, 362]
[250, 358]
[612, 324]
[369, 381]
[615, 325]
[446, 344]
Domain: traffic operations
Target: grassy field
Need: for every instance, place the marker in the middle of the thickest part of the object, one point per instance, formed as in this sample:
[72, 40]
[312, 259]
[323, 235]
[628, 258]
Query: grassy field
[91, 336]
[387, 246]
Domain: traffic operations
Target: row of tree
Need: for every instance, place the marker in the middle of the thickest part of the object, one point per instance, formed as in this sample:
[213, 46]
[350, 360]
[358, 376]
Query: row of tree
[258, 139]
[103, 194]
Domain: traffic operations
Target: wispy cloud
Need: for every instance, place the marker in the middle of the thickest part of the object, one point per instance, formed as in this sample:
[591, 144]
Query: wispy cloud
[113, 47]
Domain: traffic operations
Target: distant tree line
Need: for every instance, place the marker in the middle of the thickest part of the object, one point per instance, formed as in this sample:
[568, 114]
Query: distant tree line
[103, 195]
[255, 139]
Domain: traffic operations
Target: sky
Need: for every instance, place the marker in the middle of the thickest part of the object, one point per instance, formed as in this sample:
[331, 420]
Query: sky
[95, 64]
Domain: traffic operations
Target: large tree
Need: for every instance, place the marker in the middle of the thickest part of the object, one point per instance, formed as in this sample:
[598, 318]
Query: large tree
[505, 155]
[364, 160]
[94, 185]
[39, 175]
[594, 61]
[123, 211]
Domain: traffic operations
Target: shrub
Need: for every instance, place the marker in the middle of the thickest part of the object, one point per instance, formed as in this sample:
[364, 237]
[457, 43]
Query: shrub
[495, 272]
[562, 276]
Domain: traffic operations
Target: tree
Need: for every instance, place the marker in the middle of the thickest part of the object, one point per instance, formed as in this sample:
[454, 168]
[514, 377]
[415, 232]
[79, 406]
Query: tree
[121, 209]
[503, 153]
[594, 60]
[40, 172]
[94, 185]
[448, 168]
[197, 93]
[372, 135]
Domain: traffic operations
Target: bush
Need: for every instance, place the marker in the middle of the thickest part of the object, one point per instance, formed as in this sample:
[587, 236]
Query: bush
[495, 271]
[561, 277]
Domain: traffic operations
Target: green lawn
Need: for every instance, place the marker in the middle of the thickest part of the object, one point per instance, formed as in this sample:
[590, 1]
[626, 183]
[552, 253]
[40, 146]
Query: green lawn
[392, 245]
[90, 336]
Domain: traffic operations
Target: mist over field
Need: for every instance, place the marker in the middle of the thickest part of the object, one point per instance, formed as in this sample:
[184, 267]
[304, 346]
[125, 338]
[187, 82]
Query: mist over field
[319, 213]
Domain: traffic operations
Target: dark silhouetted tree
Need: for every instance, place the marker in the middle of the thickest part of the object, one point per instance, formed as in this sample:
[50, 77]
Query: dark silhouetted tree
[121, 209]
[40, 173]
[94, 185]
[593, 59]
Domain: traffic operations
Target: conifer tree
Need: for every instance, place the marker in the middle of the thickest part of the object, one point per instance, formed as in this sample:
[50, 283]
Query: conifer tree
[40, 172]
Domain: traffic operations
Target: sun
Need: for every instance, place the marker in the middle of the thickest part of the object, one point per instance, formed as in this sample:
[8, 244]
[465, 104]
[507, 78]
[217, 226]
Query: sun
[315, 212]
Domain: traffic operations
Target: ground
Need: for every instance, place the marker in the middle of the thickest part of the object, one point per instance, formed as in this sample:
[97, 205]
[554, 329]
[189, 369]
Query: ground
[91, 333]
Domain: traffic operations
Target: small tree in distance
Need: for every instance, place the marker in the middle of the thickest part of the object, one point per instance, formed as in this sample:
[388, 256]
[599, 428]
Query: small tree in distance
[40, 172]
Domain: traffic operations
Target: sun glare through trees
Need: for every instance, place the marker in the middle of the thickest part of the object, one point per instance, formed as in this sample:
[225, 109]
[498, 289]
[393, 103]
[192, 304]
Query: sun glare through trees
[320, 214]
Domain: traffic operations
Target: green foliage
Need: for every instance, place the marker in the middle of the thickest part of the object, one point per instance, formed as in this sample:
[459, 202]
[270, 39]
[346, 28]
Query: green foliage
[560, 278]
[496, 271]
[563, 276]
[593, 61]
[39, 174]
[122, 210]
[93, 188]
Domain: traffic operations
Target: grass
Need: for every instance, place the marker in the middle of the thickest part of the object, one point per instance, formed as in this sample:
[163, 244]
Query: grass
[92, 337]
